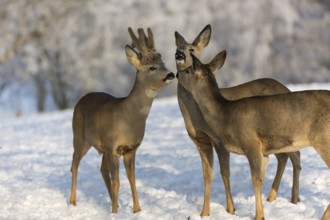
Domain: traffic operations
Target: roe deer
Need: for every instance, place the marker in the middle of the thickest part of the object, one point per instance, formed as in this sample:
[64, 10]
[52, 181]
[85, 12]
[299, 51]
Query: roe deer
[326, 215]
[260, 125]
[204, 137]
[116, 126]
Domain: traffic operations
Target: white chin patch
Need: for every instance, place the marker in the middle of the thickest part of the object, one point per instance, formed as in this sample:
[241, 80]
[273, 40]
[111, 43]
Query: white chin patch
[180, 62]
[150, 93]
[168, 81]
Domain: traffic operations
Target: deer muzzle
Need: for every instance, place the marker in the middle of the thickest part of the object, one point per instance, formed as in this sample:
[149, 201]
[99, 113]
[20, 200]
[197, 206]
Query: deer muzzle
[169, 77]
[180, 57]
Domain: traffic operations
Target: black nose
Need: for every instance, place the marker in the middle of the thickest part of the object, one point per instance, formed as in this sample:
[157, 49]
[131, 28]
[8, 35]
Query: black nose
[179, 55]
[170, 76]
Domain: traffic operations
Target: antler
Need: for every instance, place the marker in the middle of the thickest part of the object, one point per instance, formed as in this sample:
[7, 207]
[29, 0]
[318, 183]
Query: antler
[142, 43]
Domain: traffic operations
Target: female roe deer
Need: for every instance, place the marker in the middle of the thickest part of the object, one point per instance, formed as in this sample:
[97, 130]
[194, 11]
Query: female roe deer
[203, 136]
[115, 126]
[260, 125]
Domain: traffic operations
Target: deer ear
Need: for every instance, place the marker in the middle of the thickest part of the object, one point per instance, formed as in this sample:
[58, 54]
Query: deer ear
[132, 56]
[179, 40]
[218, 61]
[203, 39]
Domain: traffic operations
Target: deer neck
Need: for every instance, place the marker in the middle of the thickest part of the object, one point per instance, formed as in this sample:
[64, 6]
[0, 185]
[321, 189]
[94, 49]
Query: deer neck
[182, 92]
[211, 104]
[140, 99]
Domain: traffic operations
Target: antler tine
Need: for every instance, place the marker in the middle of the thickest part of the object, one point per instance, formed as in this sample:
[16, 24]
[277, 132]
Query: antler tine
[141, 34]
[151, 39]
[142, 42]
[143, 39]
[148, 41]
[134, 38]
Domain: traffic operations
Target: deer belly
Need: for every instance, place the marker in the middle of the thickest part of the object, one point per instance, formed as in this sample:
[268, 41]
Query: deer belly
[234, 149]
[285, 146]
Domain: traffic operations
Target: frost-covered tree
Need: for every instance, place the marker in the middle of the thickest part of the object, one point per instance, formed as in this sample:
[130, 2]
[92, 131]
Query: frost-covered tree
[59, 50]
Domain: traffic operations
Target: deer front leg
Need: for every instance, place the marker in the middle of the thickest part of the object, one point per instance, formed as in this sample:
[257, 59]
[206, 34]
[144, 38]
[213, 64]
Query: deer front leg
[295, 160]
[258, 164]
[206, 153]
[224, 157]
[129, 161]
[281, 162]
[113, 165]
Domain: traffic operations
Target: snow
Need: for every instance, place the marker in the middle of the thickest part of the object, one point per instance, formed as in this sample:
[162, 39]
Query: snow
[35, 178]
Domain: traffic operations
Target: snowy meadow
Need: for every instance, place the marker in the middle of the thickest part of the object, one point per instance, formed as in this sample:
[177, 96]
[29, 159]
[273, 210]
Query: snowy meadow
[35, 178]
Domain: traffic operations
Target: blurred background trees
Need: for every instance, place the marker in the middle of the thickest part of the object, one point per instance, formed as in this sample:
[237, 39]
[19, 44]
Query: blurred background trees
[53, 52]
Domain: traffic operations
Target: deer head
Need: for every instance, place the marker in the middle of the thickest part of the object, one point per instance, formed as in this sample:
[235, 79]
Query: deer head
[182, 55]
[151, 70]
[198, 76]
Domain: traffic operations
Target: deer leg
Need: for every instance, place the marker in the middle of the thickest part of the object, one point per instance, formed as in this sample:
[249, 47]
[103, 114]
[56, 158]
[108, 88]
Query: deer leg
[326, 215]
[113, 166]
[80, 149]
[323, 151]
[281, 162]
[206, 154]
[106, 175]
[224, 156]
[74, 171]
[129, 161]
[321, 145]
[258, 164]
[295, 160]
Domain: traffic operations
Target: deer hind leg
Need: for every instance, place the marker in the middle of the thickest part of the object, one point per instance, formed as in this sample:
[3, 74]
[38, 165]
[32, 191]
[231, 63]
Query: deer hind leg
[80, 149]
[224, 157]
[281, 162]
[295, 160]
[321, 144]
[205, 149]
[129, 161]
[113, 166]
[258, 164]
[106, 175]
[324, 153]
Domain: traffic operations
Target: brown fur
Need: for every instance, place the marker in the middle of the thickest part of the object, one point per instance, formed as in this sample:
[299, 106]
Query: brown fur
[262, 125]
[203, 136]
[326, 215]
[116, 126]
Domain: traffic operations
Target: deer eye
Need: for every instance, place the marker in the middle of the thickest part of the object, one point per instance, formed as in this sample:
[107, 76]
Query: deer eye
[152, 68]
[191, 50]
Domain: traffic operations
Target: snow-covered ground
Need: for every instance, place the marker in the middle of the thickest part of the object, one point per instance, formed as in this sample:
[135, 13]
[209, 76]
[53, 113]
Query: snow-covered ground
[35, 177]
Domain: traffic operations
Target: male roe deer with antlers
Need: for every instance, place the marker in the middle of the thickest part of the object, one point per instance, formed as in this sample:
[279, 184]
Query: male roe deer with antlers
[116, 126]
[203, 136]
[261, 125]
